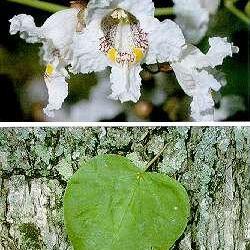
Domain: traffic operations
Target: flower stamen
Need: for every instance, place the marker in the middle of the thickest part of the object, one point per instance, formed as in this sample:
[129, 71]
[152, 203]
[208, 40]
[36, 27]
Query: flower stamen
[119, 14]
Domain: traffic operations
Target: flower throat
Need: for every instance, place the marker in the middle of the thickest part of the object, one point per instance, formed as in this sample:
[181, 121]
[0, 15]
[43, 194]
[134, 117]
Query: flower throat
[124, 42]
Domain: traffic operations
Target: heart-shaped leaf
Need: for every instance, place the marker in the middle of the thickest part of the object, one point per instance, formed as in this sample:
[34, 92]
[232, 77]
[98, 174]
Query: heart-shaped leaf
[110, 204]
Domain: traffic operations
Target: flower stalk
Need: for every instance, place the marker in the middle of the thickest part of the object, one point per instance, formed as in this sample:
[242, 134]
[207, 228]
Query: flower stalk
[46, 6]
[164, 11]
[155, 158]
[229, 4]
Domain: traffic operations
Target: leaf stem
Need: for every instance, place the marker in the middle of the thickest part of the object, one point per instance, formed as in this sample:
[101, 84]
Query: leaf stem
[164, 11]
[229, 4]
[155, 158]
[51, 7]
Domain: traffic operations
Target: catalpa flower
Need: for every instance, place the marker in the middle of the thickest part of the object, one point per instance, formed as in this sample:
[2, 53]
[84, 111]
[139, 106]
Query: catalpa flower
[97, 107]
[124, 34]
[193, 17]
[193, 74]
[56, 36]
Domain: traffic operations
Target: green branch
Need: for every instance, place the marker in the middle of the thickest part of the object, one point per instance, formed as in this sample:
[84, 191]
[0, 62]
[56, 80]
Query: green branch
[164, 11]
[51, 7]
[229, 4]
[155, 158]
[247, 9]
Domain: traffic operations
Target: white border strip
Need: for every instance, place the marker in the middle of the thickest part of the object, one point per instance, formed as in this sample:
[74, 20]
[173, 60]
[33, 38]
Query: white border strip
[123, 124]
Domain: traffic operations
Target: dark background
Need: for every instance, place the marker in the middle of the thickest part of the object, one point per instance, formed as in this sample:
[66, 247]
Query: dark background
[19, 63]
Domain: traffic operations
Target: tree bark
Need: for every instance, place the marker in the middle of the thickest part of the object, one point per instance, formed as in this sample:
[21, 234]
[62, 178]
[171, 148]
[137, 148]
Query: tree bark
[211, 162]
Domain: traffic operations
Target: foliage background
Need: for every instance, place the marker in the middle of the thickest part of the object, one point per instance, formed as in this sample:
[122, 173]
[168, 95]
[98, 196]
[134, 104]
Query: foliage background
[20, 69]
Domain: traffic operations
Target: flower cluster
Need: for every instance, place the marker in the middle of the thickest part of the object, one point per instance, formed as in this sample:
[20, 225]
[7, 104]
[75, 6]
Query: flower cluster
[123, 35]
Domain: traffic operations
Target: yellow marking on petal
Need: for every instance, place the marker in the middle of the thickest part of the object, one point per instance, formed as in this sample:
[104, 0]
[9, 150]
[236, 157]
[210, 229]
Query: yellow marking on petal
[49, 69]
[139, 55]
[112, 54]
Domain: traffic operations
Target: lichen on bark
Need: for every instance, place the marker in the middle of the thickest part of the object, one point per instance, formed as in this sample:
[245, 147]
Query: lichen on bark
[211, 162]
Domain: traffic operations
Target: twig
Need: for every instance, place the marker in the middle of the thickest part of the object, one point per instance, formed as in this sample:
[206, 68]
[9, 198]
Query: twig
[230, 6]
[51, 7]
[164, 11]
[155, 158]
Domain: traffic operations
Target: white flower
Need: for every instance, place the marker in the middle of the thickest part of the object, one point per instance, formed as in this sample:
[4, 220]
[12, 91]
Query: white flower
[192, 72]
[57, 90]
[210, 5]
[97, 107]
[193, 17]
[56, 36]
[124, 34]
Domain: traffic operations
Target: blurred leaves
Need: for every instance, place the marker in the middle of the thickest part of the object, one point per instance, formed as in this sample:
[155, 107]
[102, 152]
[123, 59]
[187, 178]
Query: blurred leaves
[247, 9]
[79, 87]
[22, 63]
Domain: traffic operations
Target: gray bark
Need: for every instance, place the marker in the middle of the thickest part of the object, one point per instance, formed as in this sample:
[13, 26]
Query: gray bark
[212, 164]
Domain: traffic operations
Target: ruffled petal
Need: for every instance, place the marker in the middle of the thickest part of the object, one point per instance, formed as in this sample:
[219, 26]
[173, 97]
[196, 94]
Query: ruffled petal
[56, 35]
[47, 54]
[202, 108]
[192, 73]
[219, 49]
[193, 19]
[26, 26]
[60, 28]
[58, 32]
[99, 8]
[211, 5]
[57, 91]
[193, 81]
[57, 29]
[86, 54]
[132, 6]
[198, 85]
[166, 40]
[125, 83]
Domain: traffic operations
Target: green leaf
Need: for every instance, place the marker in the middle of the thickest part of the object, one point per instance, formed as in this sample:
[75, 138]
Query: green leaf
[110, 204]
[247, 9]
